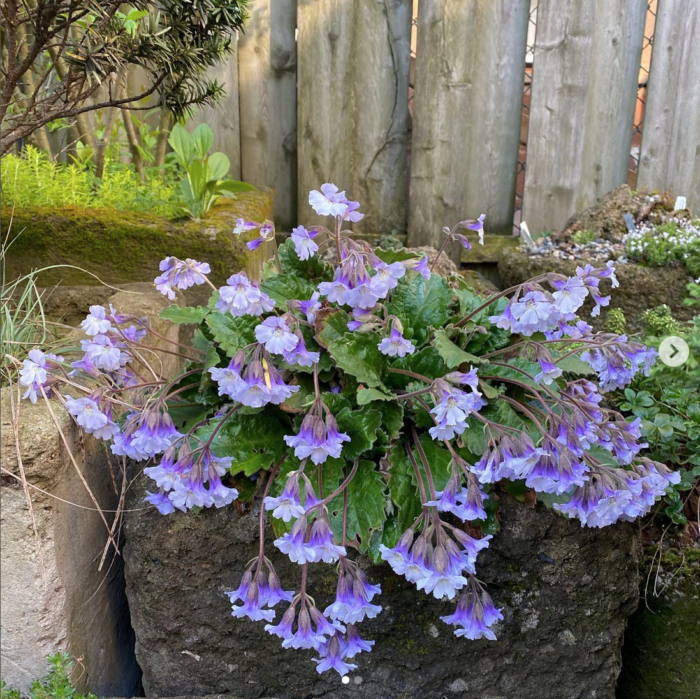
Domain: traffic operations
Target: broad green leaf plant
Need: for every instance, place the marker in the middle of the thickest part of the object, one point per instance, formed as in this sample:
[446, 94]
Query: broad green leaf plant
[206, 175]
[368, 405]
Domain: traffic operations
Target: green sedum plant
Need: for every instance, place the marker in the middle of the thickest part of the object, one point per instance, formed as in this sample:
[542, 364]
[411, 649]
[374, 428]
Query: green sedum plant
[56, 685]
[33, 179]
[368, 404]
[206, 176]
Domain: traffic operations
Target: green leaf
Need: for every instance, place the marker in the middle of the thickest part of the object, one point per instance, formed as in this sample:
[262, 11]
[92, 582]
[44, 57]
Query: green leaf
[391, 256]
[184, 314]
[361, 426]
[355, 353]
[369, 395]
[283, 287]
[573, 364]
[232, 334]
[426, 362]
[420, 304]
[202, 141]
[366, 503]
[453, 355]
[392, 421]
[234, 186]
[182, 144]
[402, 487]
[219, 165]
[254, 441]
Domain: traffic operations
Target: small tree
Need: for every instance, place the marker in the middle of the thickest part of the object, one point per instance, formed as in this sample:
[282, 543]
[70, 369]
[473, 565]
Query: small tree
[63, 58]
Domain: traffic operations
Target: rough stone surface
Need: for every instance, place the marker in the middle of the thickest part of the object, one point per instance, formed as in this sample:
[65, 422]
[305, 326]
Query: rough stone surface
[54, 598]
[640, 287]
[566, 594]
[605, 217]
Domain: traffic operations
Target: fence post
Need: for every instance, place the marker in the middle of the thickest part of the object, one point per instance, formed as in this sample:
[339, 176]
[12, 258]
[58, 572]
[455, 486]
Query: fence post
[267, 85]
[586, 66]
[353, 106]
[670, 153]
[470, 63]
[223, 116]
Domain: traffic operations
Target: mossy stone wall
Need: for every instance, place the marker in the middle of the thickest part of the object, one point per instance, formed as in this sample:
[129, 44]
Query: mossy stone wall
[121, 247]
[661, 654]
[640, 287]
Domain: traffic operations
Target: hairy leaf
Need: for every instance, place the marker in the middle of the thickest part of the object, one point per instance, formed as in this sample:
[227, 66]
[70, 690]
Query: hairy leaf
[451, 353]
[361, 426]
[420, 304]
[184, 314]
[355, 353]
[231, 333]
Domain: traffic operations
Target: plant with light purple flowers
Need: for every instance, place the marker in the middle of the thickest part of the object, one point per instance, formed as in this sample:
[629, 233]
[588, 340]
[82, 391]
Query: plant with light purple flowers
[368, 405]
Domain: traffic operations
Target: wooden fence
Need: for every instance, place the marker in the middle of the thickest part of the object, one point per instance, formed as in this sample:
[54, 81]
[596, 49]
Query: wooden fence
[319, 91]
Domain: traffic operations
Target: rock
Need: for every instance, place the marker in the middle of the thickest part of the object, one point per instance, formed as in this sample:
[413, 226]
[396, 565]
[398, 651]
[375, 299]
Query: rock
[555, 581]
[661, 654]
[54, 598]
[605, 218]
[121, 247]
[640, 287]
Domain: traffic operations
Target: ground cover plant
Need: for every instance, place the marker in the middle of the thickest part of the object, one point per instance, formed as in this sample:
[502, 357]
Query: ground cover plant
[56, 685]
[677, 241]
[369, 405]
[34, 179]
[667, 402]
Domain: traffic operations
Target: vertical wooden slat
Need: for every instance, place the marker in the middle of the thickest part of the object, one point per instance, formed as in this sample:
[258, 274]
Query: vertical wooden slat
[223, 117]
[267, 88]
[470, 64]
[587, 57]
[353, 106]
[670, 153]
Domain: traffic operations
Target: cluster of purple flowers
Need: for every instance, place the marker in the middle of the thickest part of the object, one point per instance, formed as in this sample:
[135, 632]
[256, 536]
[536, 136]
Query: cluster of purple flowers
[241, 296]
[616, 360]
[258, 590]
[261, 382]
[616, 494]
[533, 309]
[475, 613]
[190, 479]
[180, 274]
[465, 503]
[453, 406]
[35, 372]
[435, 562]
[318, 438]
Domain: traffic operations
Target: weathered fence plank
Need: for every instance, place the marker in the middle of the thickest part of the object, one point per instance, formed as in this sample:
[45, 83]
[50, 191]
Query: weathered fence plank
[586, 63]
[670, 154]
[352, 106]
[223, 117]
[469, 82]
[267, 88]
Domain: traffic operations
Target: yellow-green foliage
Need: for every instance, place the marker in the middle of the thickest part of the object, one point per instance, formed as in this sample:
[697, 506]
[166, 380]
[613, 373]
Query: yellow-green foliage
[33, 179]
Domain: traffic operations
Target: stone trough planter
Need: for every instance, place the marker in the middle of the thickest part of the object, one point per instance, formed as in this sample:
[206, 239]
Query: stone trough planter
[640, 287]
[121, 247]
[566, 592]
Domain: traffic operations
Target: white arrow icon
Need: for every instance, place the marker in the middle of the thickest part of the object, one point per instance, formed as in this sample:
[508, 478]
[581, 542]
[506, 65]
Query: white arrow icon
[674, 351]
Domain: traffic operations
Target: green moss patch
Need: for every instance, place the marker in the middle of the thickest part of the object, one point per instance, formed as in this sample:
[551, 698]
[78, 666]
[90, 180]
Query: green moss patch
[661, 655]
[121, 247]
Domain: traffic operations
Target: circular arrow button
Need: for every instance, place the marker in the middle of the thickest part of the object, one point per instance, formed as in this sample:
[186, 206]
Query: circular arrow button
[674, 351]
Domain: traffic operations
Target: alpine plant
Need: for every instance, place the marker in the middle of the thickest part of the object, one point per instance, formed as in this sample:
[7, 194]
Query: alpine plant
[343, 357]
